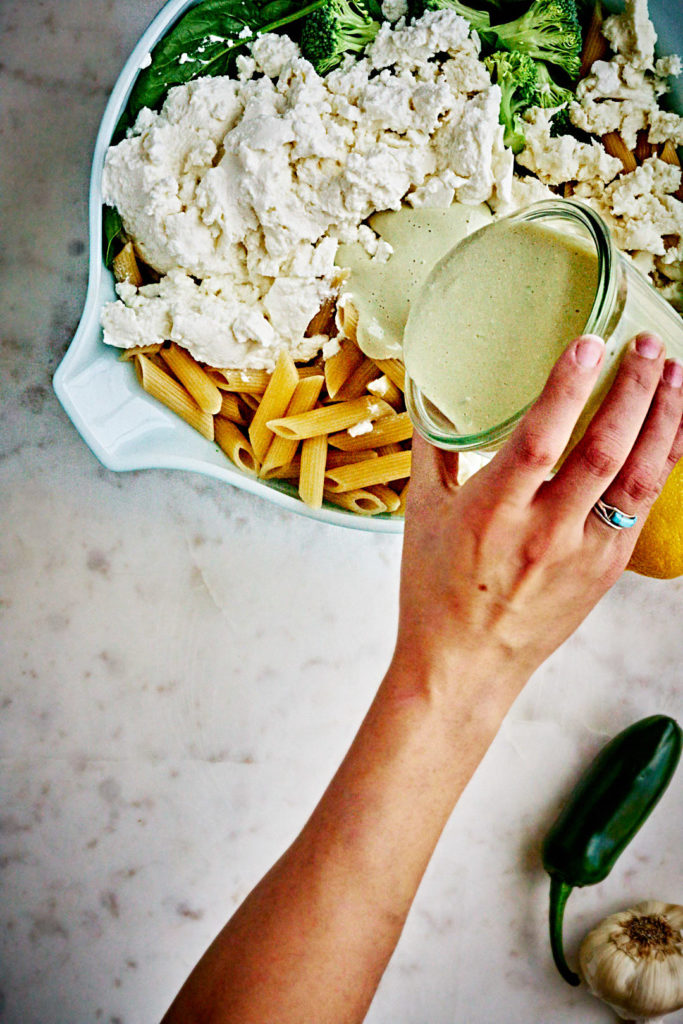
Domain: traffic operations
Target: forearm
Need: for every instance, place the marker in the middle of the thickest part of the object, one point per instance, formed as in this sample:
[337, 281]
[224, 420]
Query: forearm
[312, 940]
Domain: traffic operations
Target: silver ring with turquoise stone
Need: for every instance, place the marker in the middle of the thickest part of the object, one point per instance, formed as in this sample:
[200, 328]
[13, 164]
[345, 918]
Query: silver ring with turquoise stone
[613, 516]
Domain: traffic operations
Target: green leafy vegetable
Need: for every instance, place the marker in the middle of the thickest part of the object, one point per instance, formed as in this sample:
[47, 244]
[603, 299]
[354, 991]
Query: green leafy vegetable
[205, 42]
[335, 29]
[114, 237]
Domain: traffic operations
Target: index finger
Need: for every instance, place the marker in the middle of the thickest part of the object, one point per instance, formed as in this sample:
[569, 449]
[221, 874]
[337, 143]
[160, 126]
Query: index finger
[537, 443]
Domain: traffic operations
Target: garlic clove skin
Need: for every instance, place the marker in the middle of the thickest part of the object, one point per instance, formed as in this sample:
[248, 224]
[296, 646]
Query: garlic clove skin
[633, 960]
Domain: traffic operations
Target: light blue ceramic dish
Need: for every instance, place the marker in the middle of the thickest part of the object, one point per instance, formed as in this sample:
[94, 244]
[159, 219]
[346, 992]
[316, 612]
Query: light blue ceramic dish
[123, 427]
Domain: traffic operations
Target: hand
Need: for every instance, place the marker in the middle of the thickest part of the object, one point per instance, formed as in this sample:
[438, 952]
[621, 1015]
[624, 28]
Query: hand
[505, 567]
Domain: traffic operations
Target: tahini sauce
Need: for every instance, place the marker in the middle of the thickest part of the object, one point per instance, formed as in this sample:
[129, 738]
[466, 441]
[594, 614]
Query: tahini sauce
[495, 314]
[382, 292]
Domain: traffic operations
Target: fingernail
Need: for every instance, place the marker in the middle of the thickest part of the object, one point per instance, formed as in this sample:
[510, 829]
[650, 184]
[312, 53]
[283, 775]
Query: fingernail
[648, 346]
[673, 373]
[589, 350]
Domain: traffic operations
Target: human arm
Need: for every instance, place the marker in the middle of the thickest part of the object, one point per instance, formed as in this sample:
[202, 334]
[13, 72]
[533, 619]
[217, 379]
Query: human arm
[495, 575]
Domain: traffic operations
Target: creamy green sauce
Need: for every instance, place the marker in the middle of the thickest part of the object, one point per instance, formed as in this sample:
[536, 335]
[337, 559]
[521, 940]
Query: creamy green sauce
[493, 317]
[382, 292]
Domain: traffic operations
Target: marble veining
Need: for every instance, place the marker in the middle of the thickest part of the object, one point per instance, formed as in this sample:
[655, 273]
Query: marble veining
[183, 665]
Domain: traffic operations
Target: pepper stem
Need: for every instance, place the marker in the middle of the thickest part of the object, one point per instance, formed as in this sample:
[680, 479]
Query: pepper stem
[559, 893]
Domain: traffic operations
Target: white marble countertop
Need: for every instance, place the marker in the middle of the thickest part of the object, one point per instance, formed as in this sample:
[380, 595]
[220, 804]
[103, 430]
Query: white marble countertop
[175, 698]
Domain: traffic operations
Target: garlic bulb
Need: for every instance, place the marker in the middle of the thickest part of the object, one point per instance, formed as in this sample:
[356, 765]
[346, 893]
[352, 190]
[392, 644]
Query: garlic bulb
[634, 961]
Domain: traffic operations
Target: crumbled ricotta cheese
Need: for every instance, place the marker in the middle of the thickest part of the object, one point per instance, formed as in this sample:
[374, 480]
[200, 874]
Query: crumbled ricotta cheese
[640, 209]
[622, 94]
[395, 9]
[632, 33]
[563, 158]
[364, 427]
[239, 190]
[379, 387]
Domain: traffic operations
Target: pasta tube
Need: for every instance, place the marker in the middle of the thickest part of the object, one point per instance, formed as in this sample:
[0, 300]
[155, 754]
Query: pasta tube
[339, 416]
[235, 445]
[247, 382]
[340, 366]
[366, 474]
[395, 371]
[355, 385]
[192, 376]
[282, 450]
[125, 266]
[365, 503]
[165, 389]
[231, 409]
[276, 398]
[615, 146]
[385, 494]
[312, 478]
[385, 388]
[387, 430]
[595, 45]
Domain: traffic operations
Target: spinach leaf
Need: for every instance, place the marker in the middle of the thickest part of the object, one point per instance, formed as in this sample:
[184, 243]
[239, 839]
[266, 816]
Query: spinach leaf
[114, 237]
[205, 42]
[374, 9]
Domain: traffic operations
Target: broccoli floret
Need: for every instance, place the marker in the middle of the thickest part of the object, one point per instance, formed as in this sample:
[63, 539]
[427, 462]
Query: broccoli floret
[560, 123]
[516, 74]
[479, 20]
[336, 28]
[550, 94]
[549, 31]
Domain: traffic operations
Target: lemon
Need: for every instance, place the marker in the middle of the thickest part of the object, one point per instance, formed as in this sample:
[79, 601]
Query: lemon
[659, 549]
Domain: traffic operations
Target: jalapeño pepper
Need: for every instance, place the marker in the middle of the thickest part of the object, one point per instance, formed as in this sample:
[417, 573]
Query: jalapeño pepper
[603, 813]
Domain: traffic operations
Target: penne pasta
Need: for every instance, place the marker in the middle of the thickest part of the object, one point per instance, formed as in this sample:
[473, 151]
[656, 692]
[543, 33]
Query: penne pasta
[366, 474]
[334, 459]
[316, 370]
[385, 388]
[273, 404]
[395, 371]
[247, 382]
[138, 350]
[282, 450]
[595, 46]
[615, 146]
[312, 477]
[385, 449]
[340, 366]
[323, 321]
[385, 494]
[387, 430]
[289, 472]
[357, 384]
[669, 154]
[329, 418]
[402, 494]
[365, 503]
[216, 376]
[347, 318]
[193, 378]
[235, 445]
[165, 389]
[232, 410]
[125, 266]
[250, 402]
[644, 149]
